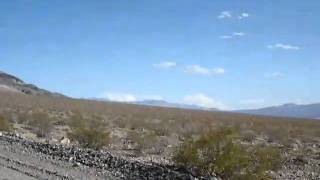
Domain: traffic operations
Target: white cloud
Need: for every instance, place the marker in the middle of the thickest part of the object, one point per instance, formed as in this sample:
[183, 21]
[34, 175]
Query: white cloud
[274, 75]
[225, 14]
[228, 14]
[196, 69]
[238, 34]
[165, 65]
[256, 101]
[226, 37]
[234, 34]
[243, 15]
[203, 101]
[218, 71]
[283, 46]
[119, 97]
[127, 97]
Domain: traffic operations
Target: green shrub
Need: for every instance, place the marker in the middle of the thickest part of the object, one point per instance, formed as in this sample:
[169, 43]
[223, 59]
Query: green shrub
[220, 152]
[4, 124]
[88, 133]
[23, 118]
[40, 123]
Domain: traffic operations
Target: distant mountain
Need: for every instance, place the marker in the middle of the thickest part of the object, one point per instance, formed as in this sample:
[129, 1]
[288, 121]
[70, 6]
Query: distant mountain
[162, 103]
[288, 110]
[13, 84]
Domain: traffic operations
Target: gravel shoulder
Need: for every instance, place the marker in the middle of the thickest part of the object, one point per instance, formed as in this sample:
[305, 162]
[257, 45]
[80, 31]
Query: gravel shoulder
[24, 159]
[18, 161]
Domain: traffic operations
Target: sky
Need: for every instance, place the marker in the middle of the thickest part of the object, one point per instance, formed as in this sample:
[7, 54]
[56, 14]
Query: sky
[221, 54]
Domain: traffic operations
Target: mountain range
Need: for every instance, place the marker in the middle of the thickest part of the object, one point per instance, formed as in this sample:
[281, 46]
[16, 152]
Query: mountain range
[162, 103]
[311, 111]
[13, 84]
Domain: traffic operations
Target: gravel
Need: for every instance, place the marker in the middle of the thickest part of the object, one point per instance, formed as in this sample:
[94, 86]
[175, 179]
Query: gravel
[25, 159]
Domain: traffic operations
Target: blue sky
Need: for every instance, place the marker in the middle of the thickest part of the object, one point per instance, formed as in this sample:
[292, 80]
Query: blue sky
[226, 54]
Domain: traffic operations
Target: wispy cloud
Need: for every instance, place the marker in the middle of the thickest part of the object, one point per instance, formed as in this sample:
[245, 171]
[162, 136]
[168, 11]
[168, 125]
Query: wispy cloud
[228, 15]
[243, 16]
[238, 34]
[234, 34]
[165, 65]
[226, 37]
[283, 46]
[225, 14]
[274, 75]
[203, 101]
[196, 69]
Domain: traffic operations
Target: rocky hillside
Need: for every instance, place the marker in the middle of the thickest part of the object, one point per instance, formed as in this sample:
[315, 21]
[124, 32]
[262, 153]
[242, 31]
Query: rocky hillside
[13, 84]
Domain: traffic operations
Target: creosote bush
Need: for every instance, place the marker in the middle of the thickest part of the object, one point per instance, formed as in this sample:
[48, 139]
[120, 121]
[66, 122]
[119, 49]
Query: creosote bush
[148, 142]
[4, 124]
[220, 153]
[40, 123]
[89, 133]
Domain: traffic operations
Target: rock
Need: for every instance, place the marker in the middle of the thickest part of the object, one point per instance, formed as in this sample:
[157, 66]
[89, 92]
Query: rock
[65, 141]
[299, 173]
[295, 146]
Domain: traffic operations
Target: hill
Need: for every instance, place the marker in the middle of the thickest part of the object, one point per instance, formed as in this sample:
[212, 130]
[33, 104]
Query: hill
[311, 111]
[10, 83]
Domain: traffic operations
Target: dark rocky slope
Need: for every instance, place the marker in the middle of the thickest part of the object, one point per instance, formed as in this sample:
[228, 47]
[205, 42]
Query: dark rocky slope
[14, 84]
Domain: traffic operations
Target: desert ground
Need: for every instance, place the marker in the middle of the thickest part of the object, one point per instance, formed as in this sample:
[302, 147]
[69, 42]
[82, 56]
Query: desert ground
[64, 138]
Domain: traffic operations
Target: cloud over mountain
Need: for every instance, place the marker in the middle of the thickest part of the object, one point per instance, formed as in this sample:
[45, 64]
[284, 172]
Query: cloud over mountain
[203, 101]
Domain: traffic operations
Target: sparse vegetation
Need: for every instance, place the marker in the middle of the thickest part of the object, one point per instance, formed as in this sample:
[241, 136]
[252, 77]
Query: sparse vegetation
[219, 152]
[89, 133]
[40, 123]
[156, 132]
[4, 124]
[149, 142]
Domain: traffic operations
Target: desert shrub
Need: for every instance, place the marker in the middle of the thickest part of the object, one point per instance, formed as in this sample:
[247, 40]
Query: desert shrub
[88, 133]
[22, 118]
[220, 152]
[9, 115]
[148, 142]
[4, 124]
[248, 135]
[40, 123]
